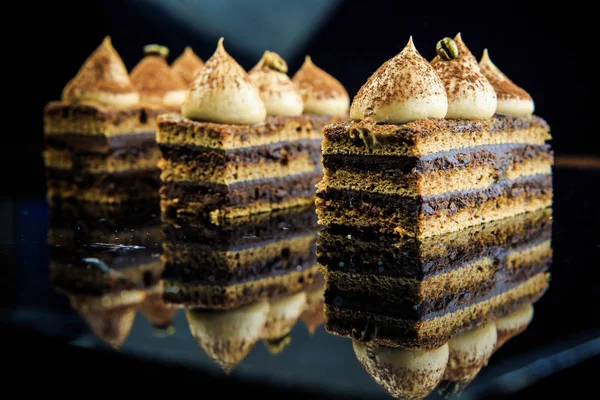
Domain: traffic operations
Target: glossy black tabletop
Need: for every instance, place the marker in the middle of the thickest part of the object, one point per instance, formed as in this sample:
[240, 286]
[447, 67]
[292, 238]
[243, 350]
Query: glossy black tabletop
[565, 330]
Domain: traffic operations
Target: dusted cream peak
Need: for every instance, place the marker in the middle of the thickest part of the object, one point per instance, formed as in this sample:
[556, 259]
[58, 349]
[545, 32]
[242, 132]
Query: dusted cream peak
[512, 100]
[155, 81]
[228, 336]
[277, 91]
[405, 374]
[405, 88]
[187, 65]
[322, 93]
[470, 94]
[102, 78]
[223, 92]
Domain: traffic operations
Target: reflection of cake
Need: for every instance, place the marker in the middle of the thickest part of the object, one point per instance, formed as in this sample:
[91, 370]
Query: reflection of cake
[313, 315]
[226, 266]
[187, 65]
[155, 81]
[100, 142]
[401, 167]
[230, 154]
[106, 259]
[419, 293]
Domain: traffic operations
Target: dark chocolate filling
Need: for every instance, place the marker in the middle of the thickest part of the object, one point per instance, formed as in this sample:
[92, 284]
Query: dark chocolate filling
[500, 156]
[133, 182]
[280, 151]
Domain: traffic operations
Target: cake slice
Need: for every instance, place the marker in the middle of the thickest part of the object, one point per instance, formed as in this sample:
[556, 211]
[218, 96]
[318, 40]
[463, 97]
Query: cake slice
[99, 139]
[238, 149]
[426, 152]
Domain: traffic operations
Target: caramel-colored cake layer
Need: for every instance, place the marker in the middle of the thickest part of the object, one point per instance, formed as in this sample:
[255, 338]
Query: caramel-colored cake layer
[466, 169]
[188, 163]
[427, 136]
[176, 130]
[88, 118]
[94, 163]
[432, 215]
[225, 297]
[432, 333]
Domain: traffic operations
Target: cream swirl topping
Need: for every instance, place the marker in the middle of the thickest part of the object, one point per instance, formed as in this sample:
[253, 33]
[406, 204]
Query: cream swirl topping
[102, 78]
[512, 99]
[470, 94]
[405, 88]
[322, 93]
[187, 65]
[278, 92]
[155, 81]
[223, 92]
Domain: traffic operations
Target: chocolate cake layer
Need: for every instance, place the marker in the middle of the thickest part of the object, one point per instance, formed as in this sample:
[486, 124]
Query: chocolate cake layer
[237, 199]
[89, 118]
[175, 129]
[430, 334]
[274, 151]
[227, 297]
[500, 156]
[431, 135]
[363, 252]
[432, 215]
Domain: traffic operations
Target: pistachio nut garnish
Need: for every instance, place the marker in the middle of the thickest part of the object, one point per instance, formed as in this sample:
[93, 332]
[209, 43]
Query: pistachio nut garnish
[447, 49]
[273, 61]
[157, 49]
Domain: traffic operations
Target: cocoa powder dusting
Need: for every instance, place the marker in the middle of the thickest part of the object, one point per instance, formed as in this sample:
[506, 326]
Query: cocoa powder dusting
[504, 87]
[312, 80]
[152, 76]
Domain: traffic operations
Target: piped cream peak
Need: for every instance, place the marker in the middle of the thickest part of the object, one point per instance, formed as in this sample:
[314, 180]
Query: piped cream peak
[102, 78]
[512, 100]
[277, 91]
[187, 65]
[470, 94]
[405, 88]
[322, 93]
[222, 92]
[155, 81]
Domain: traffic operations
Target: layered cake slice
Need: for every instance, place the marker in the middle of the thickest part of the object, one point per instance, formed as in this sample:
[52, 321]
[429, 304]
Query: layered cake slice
[419, 293]
[429, 151]
[156, 82]
[256, 258]
[187, 66]
[238, 149]
[99, 139]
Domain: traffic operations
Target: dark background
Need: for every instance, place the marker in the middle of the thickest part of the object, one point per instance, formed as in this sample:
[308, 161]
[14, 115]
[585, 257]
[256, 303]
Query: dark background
[541, 51]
